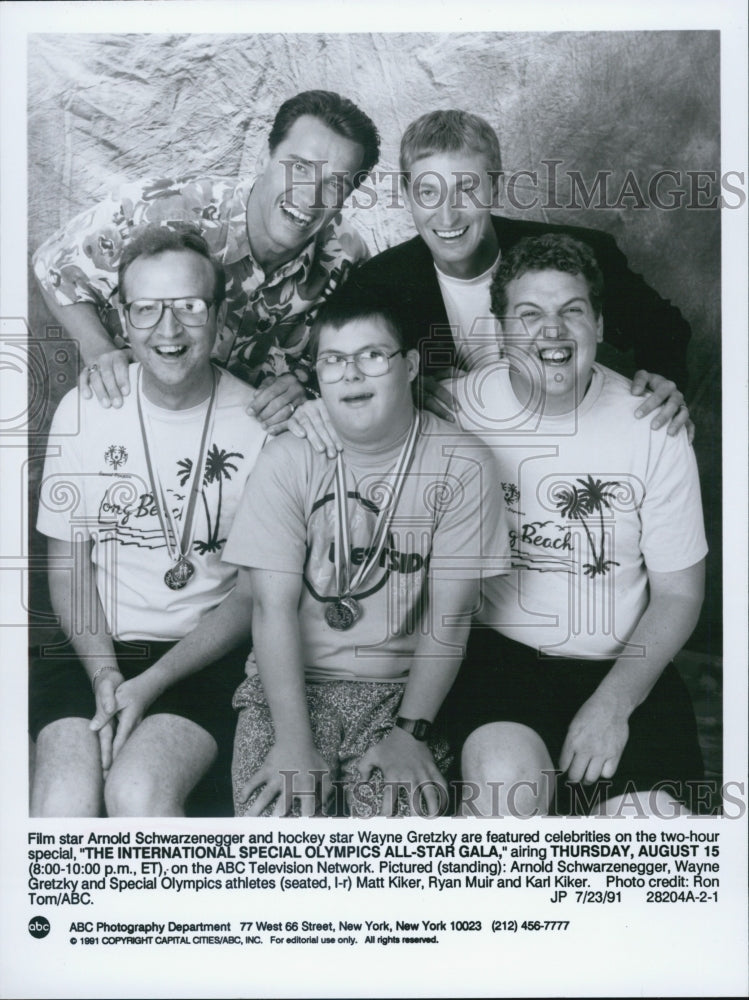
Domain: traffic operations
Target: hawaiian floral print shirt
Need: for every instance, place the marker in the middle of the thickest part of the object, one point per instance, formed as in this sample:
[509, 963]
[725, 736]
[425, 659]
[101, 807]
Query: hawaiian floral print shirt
[269, 316]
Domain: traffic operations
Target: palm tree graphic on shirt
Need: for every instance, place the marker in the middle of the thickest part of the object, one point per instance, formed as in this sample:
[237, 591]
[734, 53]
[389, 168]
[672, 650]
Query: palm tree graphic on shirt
[218, 467]
[580, 502]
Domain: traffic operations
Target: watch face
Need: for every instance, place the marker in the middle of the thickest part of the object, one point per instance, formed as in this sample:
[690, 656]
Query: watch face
[418, 728]
[421, 729]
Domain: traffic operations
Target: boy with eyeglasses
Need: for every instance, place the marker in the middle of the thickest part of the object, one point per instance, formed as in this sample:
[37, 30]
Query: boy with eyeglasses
[135, 708]
[365, 570]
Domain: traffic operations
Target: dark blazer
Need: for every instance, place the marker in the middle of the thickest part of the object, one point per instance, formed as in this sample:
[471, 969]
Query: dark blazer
[634, 315]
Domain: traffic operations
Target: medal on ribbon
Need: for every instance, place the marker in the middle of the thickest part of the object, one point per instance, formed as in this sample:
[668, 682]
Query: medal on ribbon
[344, 614]
[178, 576]
[178, 545]
[345, 611]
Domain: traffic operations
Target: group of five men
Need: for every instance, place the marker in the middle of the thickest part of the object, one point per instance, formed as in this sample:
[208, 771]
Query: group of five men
[354, 565]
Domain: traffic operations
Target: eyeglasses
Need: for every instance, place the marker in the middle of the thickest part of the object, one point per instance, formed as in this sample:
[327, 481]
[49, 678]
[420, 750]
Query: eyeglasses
[372, 361]
[145, 313]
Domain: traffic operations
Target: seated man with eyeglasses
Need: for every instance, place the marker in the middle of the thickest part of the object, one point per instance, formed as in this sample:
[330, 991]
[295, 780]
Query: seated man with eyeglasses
[365, 570]
[132, 711]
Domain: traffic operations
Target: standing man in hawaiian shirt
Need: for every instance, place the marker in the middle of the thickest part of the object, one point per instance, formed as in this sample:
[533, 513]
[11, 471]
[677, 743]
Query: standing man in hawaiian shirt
[279, 235]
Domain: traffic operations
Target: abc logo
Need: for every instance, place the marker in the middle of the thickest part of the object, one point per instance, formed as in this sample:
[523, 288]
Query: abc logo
[39, 927]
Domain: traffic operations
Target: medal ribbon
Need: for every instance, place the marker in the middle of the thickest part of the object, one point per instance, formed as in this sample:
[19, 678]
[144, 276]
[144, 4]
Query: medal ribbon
[344, 584]
[181, 546]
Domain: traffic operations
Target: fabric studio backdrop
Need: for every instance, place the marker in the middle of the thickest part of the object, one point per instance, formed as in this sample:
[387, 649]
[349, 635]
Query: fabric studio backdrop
[107, 108]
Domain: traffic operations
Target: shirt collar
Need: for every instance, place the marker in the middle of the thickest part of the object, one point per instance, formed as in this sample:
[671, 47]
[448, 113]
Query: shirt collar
[238, 240]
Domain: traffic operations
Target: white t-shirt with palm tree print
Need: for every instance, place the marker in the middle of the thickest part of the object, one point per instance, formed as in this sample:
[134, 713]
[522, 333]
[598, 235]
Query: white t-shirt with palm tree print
[594, 498]
[96, 486]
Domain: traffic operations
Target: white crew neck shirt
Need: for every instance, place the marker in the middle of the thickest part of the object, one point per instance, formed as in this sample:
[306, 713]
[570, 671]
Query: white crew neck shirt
[476, 332]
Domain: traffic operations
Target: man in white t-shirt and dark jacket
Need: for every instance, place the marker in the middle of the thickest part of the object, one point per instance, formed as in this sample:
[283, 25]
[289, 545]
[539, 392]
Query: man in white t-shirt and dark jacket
[438, 282]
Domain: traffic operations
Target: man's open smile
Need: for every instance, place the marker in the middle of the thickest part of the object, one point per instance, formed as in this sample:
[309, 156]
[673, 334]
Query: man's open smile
[451, 234]
[298, 218]
[560, 354]
[170, 351]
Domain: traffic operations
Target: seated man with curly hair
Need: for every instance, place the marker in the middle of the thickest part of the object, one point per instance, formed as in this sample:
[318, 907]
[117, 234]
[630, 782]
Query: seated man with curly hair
[569, 667]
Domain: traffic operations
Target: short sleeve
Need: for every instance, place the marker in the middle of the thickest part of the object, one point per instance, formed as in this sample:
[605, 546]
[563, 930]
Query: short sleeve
[673, 533]
[269, 529]
[471, 538]
[62, 498]
[79, 263]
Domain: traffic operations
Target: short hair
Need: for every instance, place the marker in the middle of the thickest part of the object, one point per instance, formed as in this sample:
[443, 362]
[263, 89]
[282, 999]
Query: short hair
[550, 252]
[351, 302]
[155, 239]
[449, 131]
[339, 114]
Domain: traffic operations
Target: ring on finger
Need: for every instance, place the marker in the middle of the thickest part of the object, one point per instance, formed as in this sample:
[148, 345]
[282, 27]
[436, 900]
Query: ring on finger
[293, 407]
[92, 368]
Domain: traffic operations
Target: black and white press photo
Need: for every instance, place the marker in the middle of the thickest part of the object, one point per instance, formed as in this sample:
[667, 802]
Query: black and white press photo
[372, 447]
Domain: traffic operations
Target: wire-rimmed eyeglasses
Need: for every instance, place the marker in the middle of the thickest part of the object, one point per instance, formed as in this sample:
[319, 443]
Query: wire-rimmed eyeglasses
[372, 361]
[145, 313]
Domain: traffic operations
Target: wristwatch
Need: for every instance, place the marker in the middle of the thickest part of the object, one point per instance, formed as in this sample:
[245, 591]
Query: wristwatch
[418, 728]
